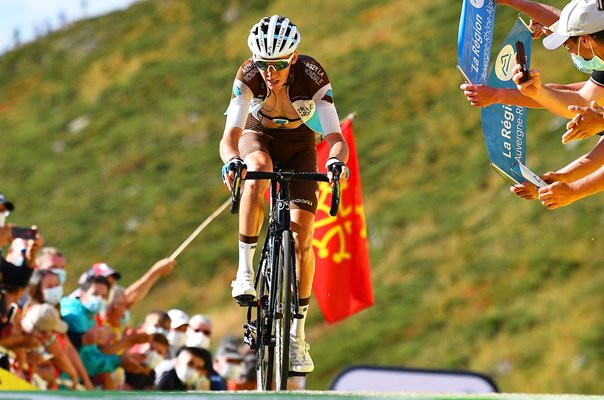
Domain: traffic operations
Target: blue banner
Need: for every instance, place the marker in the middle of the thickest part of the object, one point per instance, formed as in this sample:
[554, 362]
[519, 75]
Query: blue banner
[474, 39]
[503, 125]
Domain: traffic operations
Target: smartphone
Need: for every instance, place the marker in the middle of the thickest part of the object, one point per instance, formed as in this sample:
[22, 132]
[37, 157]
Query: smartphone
[521, 59]
[23, 233]
[12, 311]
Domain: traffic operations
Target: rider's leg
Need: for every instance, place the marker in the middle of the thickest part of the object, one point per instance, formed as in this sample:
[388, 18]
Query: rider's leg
[251, 215]
[302, 227]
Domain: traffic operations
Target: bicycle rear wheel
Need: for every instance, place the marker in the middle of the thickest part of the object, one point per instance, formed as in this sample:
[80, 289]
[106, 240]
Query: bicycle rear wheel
[283, 310]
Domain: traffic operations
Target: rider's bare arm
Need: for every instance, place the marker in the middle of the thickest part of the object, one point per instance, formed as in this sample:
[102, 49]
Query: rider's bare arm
[338, 147]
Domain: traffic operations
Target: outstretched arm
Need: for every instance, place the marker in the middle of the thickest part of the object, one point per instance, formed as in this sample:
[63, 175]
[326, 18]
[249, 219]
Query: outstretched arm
[542, 13]
[577, 169]
[560, 194]
[482, 95]
[556, 100]
[139, 289]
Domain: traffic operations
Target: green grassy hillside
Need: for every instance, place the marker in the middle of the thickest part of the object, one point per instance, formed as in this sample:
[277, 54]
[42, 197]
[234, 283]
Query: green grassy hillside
[465, 274]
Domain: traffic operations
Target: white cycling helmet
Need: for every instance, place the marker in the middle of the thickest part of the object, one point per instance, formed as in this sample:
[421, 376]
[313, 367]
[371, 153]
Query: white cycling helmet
[273, 37]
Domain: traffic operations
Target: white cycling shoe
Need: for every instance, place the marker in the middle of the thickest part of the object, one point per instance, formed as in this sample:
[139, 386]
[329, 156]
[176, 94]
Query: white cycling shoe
[243, 288]
[299, 356]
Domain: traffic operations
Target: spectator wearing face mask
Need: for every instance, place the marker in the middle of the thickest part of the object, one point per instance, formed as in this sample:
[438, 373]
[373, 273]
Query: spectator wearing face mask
[80, 314]
[43, 321]
[115, 316]
[46, 288]
[156, 321]
[228, 360]
[199, 332]
[179, 322]
[155, 351]
[189, 372]
[50, 258]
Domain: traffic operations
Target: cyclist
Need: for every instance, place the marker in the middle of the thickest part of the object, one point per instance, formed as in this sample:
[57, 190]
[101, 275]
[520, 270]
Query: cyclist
[280, 99]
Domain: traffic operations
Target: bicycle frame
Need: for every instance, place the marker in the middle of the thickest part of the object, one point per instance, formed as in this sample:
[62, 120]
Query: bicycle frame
[276, 281]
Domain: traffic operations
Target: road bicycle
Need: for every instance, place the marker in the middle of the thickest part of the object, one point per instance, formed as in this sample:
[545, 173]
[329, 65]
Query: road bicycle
[269, 316]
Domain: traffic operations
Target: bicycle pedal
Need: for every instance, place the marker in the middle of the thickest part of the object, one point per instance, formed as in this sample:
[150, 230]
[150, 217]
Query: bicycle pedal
[298, 316]
[246, 300]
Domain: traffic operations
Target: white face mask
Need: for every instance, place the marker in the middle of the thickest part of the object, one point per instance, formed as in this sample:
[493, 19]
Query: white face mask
[53, 295]
[176, 339]
[198, 339]
[187, 375]
[230, 371]
[202, 383]
[153, 359]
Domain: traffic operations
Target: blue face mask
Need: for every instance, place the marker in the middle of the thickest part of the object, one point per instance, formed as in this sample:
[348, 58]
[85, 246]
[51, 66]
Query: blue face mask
[61, 273]
[94, 304]
[587, 66]
[125, 318]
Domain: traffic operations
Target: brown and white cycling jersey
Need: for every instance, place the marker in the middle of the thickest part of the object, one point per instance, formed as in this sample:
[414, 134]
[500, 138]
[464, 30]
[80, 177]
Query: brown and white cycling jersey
[309, 91]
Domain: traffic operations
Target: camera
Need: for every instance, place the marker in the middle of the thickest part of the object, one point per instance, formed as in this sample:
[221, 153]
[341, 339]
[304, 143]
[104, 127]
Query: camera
[18, 232]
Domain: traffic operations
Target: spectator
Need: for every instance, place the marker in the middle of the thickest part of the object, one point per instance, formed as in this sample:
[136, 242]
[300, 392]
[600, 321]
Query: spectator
[199, 332]
[179, 322]
[50, 258]
[247, 373]
[116, 316]
[47, 289]
[216, 381]
[43, 321]
[155, 351]
[80, 313]
[156, 321]
[189, 372]
[581, 30]
[227, 361]
[98, 269]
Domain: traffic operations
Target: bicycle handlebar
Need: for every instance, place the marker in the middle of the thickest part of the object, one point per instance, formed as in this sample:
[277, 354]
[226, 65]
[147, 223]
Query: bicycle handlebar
[236, 193]
[284, 175]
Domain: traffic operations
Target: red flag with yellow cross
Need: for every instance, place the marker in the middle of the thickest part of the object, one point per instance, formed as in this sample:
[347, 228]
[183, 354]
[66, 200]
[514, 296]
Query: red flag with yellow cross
[342, 283]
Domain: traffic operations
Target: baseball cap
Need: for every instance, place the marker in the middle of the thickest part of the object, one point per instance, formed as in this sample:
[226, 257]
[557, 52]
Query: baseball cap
[178, 318]
[43, 318]
[9, 206]
[229, 348]
[579, 17]
[102, 269]
[229, 351]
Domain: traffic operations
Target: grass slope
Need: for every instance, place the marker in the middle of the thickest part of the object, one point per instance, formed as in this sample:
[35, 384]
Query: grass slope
[465, 274]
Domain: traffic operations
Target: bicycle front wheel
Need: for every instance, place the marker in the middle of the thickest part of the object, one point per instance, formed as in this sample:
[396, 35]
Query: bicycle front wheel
[283, 310]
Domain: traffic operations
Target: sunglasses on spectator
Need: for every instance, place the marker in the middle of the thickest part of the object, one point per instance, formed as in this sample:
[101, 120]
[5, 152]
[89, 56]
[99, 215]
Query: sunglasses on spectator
[206, 332]
[279, 65]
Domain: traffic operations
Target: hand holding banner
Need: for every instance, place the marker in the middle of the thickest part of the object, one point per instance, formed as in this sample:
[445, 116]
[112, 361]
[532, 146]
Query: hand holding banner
[474, 39]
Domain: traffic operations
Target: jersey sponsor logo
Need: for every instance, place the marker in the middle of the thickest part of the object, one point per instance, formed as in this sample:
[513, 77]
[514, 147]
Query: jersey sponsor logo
[304, 201]
[249, 71]
[315, 73]
[305, 108]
